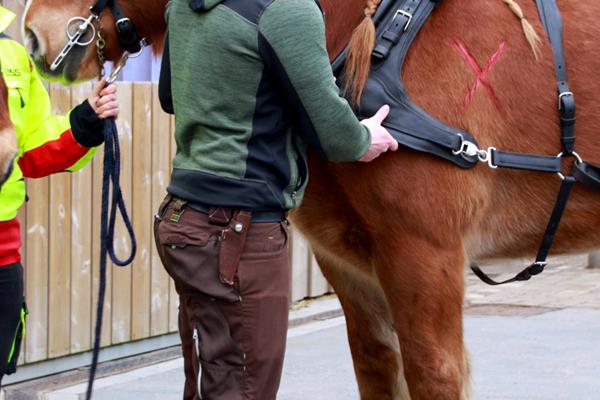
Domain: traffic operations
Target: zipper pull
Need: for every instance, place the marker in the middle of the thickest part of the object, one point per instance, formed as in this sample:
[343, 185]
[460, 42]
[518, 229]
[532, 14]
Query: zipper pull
[21, 97]
[196, 338]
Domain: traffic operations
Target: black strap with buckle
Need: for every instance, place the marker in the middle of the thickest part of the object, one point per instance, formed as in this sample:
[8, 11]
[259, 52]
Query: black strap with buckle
[129, 38]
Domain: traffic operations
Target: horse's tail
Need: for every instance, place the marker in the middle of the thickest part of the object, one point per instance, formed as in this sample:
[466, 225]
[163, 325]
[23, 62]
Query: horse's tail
[530, 34]
[358, 64]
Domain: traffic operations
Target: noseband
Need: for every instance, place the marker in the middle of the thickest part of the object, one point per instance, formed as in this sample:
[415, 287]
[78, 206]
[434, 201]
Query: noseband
[78, 29]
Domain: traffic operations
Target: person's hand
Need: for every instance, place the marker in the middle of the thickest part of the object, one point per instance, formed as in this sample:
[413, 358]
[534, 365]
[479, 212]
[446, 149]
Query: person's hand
[104, 100]
[381, 140]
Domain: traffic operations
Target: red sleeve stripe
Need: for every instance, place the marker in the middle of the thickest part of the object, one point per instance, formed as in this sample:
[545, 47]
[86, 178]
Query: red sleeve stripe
[51, 157]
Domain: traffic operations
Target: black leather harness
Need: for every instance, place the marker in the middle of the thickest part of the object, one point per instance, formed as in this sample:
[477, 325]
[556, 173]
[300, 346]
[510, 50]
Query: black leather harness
[398, 22]
[129, 38]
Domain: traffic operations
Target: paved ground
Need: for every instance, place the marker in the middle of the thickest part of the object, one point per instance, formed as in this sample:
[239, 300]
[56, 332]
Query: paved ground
[535, 341]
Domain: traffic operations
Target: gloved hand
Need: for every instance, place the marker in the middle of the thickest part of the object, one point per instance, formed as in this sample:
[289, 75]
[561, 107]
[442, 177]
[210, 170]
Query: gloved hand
[381, 140]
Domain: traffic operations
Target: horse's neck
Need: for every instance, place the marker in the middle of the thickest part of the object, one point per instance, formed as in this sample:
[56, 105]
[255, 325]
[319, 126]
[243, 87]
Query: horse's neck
[341, 16]
[148, 17]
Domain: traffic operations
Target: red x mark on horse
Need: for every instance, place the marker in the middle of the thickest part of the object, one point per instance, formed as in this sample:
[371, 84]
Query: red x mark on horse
[481, 74]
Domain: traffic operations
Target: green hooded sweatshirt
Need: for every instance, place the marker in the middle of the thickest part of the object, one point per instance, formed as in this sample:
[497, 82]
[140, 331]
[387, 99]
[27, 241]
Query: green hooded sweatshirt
[252, 91]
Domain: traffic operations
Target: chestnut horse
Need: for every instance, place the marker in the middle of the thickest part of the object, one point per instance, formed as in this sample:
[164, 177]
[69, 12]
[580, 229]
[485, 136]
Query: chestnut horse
[8, 138]
[393, 237]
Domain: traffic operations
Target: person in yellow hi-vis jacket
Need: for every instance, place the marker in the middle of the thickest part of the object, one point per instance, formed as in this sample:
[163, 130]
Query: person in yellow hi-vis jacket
[47, 144]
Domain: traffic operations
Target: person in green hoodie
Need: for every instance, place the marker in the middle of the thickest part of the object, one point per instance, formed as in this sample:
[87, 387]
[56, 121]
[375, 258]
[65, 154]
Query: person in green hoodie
[253, 92]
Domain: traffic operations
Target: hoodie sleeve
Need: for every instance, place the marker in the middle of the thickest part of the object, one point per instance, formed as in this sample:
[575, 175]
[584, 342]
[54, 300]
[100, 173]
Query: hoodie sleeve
[293, 46]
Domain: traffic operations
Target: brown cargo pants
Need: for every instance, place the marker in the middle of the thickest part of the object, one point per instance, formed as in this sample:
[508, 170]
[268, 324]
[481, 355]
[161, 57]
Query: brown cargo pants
[233, 330]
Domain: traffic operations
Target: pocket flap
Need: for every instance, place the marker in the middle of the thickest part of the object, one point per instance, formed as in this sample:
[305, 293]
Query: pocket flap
[181, 236]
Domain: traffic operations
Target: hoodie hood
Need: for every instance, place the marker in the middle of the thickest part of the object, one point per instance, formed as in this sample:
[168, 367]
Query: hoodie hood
[204, 5]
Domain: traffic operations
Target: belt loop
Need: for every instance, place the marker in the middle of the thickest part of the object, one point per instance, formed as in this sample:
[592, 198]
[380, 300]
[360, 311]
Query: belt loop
[178, 209]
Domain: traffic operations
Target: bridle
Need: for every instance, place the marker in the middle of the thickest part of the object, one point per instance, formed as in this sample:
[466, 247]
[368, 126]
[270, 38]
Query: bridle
[78, 29]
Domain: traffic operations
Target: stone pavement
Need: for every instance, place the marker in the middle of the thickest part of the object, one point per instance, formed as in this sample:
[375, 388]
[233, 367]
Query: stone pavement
[538, 340]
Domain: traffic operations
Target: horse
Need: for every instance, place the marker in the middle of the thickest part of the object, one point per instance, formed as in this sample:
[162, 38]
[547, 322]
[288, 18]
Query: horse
[8, 136]
[393, 237]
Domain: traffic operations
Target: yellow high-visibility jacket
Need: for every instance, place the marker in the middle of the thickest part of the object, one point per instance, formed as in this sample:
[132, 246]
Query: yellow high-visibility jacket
[47, 143]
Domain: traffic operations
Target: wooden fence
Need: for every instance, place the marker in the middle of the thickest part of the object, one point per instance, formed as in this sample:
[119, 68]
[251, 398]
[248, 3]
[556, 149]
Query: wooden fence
[60, 225]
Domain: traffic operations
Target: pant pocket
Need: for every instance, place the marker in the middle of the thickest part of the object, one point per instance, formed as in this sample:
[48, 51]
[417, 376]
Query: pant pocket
[15, 350]
[191, 257]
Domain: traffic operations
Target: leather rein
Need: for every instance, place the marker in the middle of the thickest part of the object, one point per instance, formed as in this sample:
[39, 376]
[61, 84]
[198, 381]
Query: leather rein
[398, 23]
[83, 31]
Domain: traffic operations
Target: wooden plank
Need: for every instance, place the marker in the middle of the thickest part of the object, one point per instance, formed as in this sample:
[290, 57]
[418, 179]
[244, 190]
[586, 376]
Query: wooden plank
[142, 210]
[81, 247]
[160, 177]
[300, 263]
[60, 247]
[121, 276]
[36, 281]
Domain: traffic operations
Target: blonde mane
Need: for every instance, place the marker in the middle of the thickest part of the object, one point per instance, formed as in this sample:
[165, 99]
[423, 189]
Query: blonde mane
[362, 43]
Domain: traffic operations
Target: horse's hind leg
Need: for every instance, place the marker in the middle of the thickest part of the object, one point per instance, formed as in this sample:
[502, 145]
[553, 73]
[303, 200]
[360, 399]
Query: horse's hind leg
[424, 286]
[373, 341]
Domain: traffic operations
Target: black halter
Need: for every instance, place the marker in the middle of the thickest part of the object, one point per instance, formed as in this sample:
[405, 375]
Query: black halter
[129, 38]
[398, 23]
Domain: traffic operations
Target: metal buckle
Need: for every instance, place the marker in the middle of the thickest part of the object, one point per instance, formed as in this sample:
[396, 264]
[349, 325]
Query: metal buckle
[487, 156]
[574, 154]
[404, 14]
[560, 97]
[469, 150]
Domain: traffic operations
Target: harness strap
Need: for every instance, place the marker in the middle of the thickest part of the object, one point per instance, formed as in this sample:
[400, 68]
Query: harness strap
[540, 261]
[397, 26]
[528, 162]
[585, 173]
[552, 21]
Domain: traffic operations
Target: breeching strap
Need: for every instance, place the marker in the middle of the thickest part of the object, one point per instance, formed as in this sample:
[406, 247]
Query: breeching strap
[112, 200]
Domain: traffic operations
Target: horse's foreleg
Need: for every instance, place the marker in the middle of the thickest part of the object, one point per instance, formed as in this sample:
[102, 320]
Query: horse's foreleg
[424, 286]
[373, 341]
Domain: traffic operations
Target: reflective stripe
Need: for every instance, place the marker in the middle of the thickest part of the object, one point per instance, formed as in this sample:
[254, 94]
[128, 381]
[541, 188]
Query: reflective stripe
[20, 327]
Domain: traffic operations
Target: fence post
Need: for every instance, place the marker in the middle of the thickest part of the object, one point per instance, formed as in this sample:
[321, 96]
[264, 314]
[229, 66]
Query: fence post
[594, 261]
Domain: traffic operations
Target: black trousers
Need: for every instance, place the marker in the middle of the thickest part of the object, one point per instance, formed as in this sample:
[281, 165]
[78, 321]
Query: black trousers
[12, 314]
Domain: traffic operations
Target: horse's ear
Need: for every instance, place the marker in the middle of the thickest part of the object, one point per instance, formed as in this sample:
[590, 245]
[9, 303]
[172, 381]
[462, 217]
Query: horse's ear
[358, 63]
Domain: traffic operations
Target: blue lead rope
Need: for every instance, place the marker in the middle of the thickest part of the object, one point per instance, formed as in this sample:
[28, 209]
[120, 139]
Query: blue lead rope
[111, 177]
